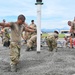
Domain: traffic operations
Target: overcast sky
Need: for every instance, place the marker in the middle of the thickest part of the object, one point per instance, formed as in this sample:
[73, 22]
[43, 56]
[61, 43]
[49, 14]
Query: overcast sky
[55, 13]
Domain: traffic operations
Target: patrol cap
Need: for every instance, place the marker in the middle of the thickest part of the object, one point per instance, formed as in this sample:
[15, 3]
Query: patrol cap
[38, 0]
[32, 20]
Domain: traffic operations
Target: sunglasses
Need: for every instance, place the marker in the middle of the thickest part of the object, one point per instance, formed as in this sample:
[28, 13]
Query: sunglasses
[23, 21]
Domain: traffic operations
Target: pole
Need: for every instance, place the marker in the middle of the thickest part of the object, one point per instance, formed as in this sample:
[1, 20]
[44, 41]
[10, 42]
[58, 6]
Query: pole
[38, 27]
[38, 3]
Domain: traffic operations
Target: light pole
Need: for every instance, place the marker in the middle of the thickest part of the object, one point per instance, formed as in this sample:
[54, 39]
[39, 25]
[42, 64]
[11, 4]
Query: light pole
[38, 3]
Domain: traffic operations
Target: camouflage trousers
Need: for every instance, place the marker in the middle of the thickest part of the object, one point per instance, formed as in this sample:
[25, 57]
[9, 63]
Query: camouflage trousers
[5, 40]
[51, 42]
[14, 53]
[32, 41]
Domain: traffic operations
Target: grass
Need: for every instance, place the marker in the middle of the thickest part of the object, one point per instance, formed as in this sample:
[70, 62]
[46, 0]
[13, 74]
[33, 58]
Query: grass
[44, 35]
[60, 35]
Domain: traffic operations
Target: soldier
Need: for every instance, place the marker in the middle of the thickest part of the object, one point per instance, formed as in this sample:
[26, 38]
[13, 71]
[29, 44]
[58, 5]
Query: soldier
[6, 38]
[15, 45]
[33, 25]
[31, 35]
[51, 40]
[27, 35]
[2, 31]
[32, 43]
[72, 29]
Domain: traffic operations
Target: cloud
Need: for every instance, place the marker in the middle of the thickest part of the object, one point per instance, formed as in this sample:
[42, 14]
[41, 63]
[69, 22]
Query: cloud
[55, 13]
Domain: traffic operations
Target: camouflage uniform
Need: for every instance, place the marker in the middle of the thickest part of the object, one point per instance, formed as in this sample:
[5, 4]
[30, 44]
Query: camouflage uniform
[14, 52]
[6, 36]
[32, 36]
[28, 35]
[15, 44]
[51, 41]
[34, 27]
[31, 42]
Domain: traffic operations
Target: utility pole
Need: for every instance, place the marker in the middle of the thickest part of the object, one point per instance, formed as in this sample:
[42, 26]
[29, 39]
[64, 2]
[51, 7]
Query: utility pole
[38, 3]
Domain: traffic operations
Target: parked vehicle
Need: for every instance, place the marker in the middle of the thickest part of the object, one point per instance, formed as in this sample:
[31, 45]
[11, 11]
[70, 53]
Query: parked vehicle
[66, 32]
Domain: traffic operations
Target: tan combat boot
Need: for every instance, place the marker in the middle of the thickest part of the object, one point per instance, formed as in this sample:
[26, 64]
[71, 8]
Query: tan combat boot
[13, 68]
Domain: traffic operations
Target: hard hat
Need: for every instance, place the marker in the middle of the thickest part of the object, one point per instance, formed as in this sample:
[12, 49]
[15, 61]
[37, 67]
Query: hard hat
[56, 31]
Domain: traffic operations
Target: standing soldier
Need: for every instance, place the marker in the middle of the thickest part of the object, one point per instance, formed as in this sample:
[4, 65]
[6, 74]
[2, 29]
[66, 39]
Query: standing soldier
[16, 30]
[6, 38]
[51, 40]
[27, 35]
[33, 25]
[72, 30]
[72, 27]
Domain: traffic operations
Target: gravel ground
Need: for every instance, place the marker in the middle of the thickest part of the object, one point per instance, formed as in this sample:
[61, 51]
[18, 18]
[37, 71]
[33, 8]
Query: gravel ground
[61, 62]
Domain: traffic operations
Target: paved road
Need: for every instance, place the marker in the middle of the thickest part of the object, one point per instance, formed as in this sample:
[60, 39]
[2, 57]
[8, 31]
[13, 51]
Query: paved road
[61, 62]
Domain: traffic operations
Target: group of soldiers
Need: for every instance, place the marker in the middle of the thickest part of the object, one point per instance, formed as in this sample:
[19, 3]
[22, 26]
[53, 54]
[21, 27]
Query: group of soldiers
[51, 39]
[30, 37]
[25, 35]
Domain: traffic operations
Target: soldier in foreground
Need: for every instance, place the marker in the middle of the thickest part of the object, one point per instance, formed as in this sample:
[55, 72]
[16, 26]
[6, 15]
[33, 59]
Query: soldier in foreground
[16, 30]
[51, 40]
